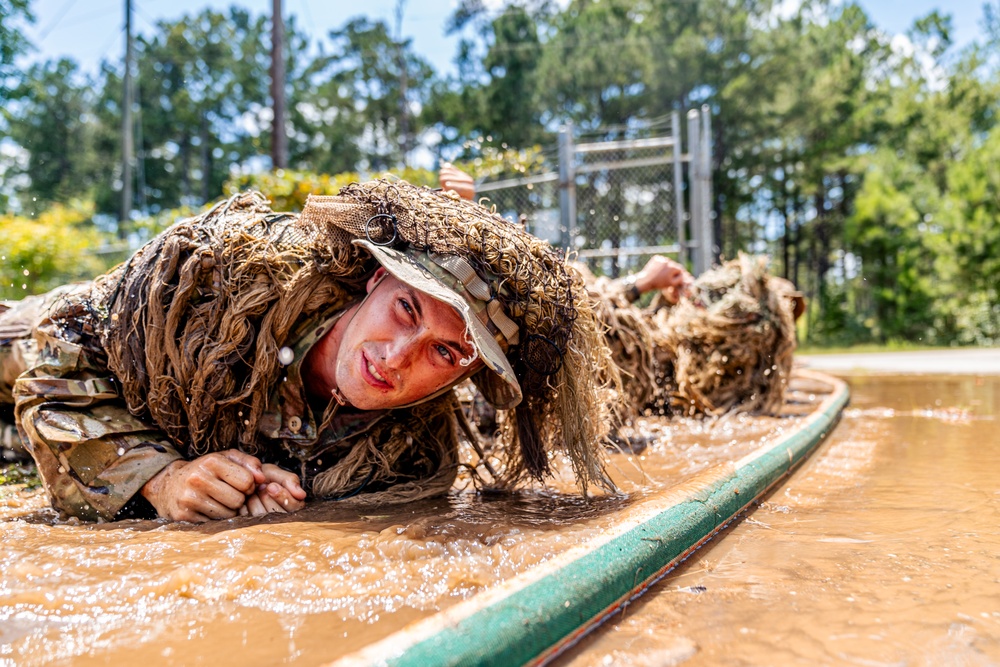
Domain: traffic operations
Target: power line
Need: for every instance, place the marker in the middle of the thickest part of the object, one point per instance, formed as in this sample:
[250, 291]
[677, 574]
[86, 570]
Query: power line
[146, 17]
[59, 17]
[111, 43]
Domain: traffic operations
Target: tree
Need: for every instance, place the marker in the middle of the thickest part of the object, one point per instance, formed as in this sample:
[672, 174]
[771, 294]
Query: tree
[12, 42]
[50, 118]
[359, 92]
[202, 93]
[495, 94]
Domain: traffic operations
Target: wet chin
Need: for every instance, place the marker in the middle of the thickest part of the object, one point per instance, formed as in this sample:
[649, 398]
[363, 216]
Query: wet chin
[363, 396]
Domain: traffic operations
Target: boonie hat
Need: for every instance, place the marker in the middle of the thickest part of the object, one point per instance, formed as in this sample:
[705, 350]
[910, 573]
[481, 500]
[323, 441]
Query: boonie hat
[451, 279]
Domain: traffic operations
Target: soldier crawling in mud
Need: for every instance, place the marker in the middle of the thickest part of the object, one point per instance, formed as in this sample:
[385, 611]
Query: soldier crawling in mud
[720, 344]
[244, 360]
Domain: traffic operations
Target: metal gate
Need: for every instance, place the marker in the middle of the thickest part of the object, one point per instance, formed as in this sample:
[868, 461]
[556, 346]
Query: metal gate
[613, 202]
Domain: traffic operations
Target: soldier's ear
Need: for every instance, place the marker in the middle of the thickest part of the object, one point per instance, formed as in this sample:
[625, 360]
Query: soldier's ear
[376, 278]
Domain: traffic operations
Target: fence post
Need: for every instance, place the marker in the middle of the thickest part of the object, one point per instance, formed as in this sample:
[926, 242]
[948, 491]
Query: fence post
[567, 187]
[694, 191]
[705, 163]
[675, 129]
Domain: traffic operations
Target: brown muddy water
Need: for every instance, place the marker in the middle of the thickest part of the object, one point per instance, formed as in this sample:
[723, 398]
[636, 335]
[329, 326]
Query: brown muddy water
[883, 548]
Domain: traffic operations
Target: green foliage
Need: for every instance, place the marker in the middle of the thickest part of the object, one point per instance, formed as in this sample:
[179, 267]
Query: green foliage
[497, 93]
[55, 247]
[23, 476]
[288, 189]
[48, 117]
[488, 162]
[202, 89]
[361, 99]
[12, 41]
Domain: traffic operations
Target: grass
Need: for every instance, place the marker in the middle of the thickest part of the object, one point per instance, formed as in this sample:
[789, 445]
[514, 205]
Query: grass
[871, 348]
[24, 474]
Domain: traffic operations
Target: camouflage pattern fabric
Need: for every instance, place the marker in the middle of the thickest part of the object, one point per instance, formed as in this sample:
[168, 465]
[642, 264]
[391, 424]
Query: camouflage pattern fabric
[93, 454]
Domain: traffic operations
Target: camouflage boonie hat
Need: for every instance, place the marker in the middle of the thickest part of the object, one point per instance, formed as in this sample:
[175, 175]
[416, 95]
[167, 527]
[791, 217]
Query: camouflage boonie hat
[451, 279]
[515, 292]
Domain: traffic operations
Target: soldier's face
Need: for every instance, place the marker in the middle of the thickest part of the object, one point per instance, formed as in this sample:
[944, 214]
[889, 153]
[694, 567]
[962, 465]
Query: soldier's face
[399, 346]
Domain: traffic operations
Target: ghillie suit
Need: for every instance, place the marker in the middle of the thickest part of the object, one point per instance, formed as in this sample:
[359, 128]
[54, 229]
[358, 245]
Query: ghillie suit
[732, 341]
[725, 347]
[195, 321]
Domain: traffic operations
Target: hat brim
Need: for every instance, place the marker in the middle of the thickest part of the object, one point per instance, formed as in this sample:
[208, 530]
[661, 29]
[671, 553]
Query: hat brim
[505, 394]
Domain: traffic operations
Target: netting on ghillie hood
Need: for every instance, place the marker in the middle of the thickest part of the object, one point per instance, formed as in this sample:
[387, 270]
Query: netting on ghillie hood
[196, 319]
[727, 346]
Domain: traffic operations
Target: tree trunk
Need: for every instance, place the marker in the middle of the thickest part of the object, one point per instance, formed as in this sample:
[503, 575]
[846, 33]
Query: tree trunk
[206, 159]
[185, 151]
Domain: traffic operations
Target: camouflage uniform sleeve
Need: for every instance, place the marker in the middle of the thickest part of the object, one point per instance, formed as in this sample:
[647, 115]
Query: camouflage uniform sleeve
[92, 454]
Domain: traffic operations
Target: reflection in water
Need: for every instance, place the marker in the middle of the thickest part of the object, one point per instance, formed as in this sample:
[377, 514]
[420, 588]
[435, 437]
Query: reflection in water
[882, 550]
[851, 560]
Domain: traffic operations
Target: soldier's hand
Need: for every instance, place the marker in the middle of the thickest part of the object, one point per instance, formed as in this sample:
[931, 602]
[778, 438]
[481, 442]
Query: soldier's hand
[454, 179]
[663, 273]
[214, 486]
[281, 492]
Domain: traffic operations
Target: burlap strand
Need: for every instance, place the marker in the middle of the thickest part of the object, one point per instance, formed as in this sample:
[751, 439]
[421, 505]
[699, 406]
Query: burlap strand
[195, 319]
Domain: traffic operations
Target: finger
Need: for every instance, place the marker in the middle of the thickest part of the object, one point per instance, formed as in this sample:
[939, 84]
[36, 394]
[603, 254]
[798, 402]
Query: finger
[251, 463]
[225, 494]
[209, 508]
[286, 478]
[190, 516]
[233, 473]
[255, 506]
[271, 503]
[283, 498]
[222, 480]
[244, 511]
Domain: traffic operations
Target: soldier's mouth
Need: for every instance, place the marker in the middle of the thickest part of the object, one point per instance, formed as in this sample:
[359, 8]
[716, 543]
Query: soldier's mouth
[373, 375]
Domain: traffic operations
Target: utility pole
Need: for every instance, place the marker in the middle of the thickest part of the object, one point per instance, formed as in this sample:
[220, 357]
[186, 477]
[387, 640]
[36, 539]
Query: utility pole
[127, 147]
[404, 111]
[279, 142]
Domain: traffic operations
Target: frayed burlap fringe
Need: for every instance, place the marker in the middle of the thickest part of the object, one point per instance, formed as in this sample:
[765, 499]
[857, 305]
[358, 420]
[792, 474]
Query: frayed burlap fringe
[732, 343]
[727, 347]
[409, 459]
[197, 316]
[633, 343]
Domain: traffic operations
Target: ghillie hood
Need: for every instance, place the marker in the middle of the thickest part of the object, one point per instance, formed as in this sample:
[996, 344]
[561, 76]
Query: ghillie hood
[724, 347]
[195, 319]
[732, 341]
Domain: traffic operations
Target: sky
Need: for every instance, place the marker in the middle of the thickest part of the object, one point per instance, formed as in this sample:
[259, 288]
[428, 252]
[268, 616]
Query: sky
[91, 30]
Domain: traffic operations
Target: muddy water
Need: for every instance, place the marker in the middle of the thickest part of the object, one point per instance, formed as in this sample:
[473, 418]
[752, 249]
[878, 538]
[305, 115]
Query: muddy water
[883, 549]
[304, 590]
[805, 577]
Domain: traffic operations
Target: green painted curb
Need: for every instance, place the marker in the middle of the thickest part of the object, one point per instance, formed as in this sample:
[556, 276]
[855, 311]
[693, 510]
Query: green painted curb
[557, 609]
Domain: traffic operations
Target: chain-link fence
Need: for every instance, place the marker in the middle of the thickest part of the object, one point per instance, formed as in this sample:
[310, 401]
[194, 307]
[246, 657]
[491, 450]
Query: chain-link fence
[617, 202]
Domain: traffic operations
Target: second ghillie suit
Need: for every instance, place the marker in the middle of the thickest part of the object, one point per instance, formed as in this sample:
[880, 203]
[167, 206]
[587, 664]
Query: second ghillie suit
[176, 353]
[726, 346]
